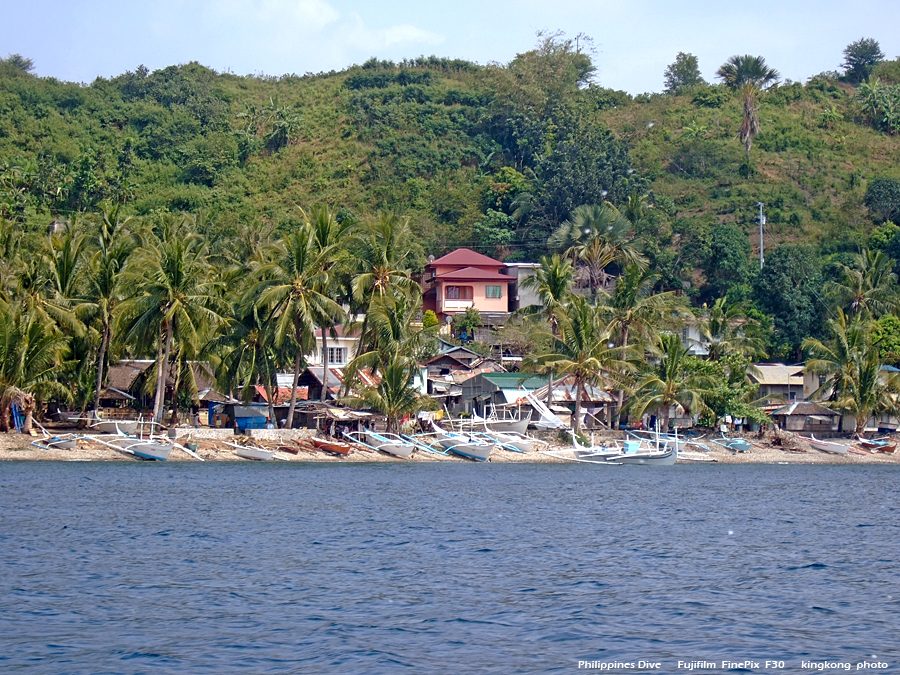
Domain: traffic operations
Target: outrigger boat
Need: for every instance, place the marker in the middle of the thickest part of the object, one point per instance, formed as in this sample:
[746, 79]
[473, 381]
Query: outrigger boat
[66, 442]
[146, 449]
[464, 445]
[877, 446]
[331, 446]
[826, 446]
[252, 452]
[502, 419]
[510, 440]
[387, 442]
[734, 444]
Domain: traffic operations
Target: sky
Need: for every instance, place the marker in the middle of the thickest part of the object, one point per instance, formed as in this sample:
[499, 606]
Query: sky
[634, 40]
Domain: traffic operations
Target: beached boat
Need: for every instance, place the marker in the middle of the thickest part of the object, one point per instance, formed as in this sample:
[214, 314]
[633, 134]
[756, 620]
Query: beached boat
[331, 446]
[665, 457]
[510, 440]
[67, 442]
[596, 453]
[250, 452]
[389, 443]
[502, 419]
[464, 445]
[144, 448]
[878, 446]
[734, 444]
[115, 427]
[826, 446]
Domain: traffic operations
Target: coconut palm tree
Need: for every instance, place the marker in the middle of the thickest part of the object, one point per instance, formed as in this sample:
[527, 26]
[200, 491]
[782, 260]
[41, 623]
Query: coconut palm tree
[329, 234]
[395, 395]
[868, 288]
[749, 75]
[584, 349]
[634, 310]
[668, 381]
[552, 282]
[31, 351]
[292, 288]
[722, 331]
[170, 294]
[113, 247]
[854, 380]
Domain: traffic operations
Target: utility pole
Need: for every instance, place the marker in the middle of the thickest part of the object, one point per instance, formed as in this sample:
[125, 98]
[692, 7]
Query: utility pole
[762, 221]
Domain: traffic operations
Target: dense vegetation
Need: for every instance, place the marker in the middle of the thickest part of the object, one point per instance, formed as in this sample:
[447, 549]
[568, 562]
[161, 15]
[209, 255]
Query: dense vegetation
[503, 159]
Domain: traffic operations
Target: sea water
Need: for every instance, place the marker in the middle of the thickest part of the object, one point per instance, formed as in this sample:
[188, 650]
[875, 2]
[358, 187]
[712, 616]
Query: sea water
[127, 567]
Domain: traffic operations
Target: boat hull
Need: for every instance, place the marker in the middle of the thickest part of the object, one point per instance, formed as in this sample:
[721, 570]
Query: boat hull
[664, 458]
[257, 454]
[397, 448]
[331, 446]
[477, 451]
[115, 427]
[156, 451]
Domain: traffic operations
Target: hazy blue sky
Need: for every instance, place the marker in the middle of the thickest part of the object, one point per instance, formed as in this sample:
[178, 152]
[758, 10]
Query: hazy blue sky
[635, 40]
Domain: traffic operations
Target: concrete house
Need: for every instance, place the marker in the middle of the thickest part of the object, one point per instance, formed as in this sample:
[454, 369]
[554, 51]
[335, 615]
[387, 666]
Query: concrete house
[462, 279]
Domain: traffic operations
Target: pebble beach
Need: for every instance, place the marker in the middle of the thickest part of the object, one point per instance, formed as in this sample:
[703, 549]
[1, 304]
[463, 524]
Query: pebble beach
[767, 448]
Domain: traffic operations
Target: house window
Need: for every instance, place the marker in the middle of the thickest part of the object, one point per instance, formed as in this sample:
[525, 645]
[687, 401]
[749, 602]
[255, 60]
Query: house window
[458, 293]
[493, 292]
[337, 355]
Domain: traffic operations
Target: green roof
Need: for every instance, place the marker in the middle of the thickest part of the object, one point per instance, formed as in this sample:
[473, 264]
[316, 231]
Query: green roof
[529, 381]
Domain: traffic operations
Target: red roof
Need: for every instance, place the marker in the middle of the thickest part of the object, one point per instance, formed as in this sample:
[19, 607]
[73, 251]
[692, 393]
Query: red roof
[473, 274]
[465, 257]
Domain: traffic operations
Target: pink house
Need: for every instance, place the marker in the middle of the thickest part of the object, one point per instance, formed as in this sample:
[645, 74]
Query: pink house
[464, 279]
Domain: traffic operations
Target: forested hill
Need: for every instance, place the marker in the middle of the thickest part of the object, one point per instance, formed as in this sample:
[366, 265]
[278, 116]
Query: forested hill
[490, 157]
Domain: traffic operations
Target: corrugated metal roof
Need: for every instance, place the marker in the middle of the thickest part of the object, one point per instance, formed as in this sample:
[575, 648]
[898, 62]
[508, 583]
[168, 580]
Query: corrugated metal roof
[777, 374]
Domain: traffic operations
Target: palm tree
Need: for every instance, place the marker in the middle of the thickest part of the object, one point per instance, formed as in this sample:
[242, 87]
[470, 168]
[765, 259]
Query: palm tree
[748, 75]
[722, 331]
[598, 236]
[868, 288]
[854, 380]
[552, 282]
[292, 287]
[669, 382]
[31, 350]
[395, 394]
[170, 293]
[584, 349]
[633, 308]
[114, 246]
[329, 235]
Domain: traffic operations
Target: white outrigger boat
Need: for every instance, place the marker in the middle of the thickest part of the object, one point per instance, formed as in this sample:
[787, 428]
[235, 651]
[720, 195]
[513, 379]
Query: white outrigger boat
[144, 448]
[65, 442]
[462, 444]
[116, 427]
[252, 452]
[387, 442]
[826, 446]
[511, 440]
[503, 419]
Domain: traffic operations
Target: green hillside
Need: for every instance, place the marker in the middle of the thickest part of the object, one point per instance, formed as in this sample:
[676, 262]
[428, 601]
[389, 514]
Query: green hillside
[490, 157]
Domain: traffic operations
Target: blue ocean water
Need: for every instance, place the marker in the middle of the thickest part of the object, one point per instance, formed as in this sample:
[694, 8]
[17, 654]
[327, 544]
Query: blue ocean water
[444, 568]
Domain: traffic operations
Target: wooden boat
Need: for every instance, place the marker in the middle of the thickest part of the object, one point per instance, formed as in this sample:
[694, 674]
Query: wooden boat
[115, 427]
[387, 442]
[734, 444]
[500, 419]
[877, 446]
[67, 442]
[249, 452]
[145, 449]
[510, 440]
[826, 446]
[665, 457]
[464, 445]
[595, 453]
[289, 449]
[331, 446]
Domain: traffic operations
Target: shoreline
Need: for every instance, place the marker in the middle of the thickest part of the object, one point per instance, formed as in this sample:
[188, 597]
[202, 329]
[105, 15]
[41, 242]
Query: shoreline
[766, 450]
